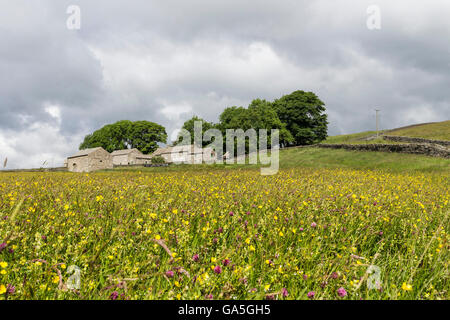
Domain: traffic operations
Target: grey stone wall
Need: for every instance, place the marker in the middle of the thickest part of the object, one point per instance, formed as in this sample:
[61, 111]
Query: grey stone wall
[425, 149]
[416, 140]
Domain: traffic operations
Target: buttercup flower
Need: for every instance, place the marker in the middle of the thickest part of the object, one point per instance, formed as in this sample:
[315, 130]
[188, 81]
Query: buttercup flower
[406, 287]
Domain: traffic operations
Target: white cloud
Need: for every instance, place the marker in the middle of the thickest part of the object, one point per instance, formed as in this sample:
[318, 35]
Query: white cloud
[141, 60]
[41, 145]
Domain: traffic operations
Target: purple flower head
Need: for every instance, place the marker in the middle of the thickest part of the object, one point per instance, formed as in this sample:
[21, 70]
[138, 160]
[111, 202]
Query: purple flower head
[284, 292]
[301, 229]
[380, 233]
[226, 262]
[220, 230]
[215, 240]
[195, 257]
[341, 292]
[2, 246]
[218, 270]
[334, 275]
[114, 295]
[311, 294]
[169, 273]
[313, 224]
[209, 296]
[231, 213]
[11, 289]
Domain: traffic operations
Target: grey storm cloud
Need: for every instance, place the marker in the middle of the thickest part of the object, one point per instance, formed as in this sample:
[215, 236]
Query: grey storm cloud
[164, 61]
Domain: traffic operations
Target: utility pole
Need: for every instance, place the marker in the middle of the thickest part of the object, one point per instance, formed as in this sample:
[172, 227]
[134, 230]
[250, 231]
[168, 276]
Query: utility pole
[377, 120]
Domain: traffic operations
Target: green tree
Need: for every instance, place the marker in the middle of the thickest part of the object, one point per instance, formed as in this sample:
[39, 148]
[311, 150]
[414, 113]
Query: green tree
[143, 135]
[189, 126]
[259, 115]
[303, 114]
[262, 115]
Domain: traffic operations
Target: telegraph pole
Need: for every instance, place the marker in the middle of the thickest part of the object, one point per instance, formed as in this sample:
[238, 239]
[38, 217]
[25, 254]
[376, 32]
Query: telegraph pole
[377, 120]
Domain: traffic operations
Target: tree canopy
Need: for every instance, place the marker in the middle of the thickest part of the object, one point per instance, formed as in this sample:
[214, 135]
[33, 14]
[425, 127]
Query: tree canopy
[299, 116]
[259, 115]
[303, 114]
[189, 126]
[143, 135]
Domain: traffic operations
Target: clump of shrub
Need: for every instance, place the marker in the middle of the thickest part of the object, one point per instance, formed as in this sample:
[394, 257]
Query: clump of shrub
[158, 160]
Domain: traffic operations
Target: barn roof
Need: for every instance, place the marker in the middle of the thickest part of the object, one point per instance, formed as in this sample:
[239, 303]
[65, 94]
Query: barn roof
[124, 151]
[160, 151]
[180, 148]
[85, 152]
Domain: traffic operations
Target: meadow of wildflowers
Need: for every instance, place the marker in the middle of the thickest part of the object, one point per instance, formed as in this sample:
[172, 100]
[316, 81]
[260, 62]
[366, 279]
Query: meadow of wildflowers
[224, 234]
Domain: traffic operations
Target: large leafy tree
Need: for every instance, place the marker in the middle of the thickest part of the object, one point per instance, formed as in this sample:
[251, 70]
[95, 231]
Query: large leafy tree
[189, 126]
[143, 135]
[303, 114]
[259, 115]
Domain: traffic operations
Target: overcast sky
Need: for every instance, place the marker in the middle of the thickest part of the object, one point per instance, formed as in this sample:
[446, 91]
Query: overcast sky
[165, 61]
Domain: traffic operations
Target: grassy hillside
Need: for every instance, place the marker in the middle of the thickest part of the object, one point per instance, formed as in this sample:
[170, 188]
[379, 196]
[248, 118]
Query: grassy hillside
[339, 158]
[347, 138]
[436, 131]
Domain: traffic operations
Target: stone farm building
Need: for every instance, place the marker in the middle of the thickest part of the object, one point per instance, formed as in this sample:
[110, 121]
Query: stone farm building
[129, 157]
[90, 160]
[185, 154]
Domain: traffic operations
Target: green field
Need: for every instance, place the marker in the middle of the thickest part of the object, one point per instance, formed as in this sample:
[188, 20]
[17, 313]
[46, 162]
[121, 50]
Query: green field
[435, 131]
[315, 230]
[312, 157]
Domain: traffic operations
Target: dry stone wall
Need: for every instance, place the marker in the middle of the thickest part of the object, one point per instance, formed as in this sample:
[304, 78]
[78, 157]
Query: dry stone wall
[425, 149]
[416, 140]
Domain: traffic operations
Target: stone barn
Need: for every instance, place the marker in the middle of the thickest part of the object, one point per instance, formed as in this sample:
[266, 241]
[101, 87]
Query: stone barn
[90, 160]
[129, 157]
[185, 154]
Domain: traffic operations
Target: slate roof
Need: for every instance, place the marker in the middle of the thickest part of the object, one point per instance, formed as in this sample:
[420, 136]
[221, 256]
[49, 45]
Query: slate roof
[124, 151]
[85, 152]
